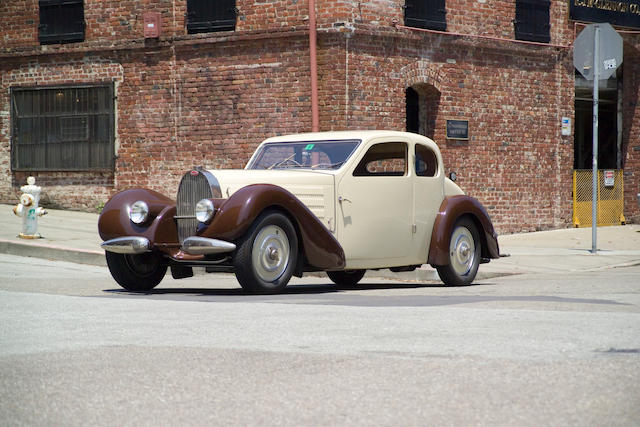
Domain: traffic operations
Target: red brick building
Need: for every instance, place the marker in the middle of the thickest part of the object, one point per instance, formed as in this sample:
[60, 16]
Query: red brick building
[100, 95]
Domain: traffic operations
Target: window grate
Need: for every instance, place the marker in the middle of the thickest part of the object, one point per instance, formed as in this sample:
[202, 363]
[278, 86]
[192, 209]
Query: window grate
[428, 14]
[61, 21]
[63, 128]
[532, 20]
[204, 16]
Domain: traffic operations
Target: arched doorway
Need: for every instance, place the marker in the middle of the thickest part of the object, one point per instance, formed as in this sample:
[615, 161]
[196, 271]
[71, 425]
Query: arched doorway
[422, 102]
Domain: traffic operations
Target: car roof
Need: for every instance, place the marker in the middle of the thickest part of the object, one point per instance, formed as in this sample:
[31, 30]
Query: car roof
[342, 135]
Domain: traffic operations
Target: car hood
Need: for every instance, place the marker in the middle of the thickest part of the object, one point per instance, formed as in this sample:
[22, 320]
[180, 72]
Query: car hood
[314, 188]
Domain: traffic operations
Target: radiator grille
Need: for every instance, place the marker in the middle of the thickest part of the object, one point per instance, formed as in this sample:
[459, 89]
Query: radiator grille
[194, 186]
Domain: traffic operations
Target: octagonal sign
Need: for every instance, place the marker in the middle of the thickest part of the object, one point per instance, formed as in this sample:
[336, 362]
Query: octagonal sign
[609, 52]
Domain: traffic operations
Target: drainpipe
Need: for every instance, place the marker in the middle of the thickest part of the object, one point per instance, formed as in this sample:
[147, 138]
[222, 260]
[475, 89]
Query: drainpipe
[315, 127]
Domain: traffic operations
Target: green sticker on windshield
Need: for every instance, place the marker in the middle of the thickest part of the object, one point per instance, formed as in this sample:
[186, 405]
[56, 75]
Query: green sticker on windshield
[309, 147]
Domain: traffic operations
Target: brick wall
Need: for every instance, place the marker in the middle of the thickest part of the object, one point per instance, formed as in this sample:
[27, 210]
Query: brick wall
[209, 99]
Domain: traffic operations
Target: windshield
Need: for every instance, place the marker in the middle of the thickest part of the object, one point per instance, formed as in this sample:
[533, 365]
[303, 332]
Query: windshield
[304, 155]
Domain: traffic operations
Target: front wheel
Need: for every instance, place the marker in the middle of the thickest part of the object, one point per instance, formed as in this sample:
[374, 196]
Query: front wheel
[266, 256]
[346, 278]
[140, 272]
[464, 255]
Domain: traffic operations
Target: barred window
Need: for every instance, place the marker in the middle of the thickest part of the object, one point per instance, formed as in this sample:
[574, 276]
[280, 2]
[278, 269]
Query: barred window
[532, 20]
[204, 16]
[62, 128]
[428, 14]
[61, 21]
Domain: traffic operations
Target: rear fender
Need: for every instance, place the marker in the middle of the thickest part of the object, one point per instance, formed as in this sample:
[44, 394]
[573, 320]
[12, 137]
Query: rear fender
[451, 209]
[239, 211]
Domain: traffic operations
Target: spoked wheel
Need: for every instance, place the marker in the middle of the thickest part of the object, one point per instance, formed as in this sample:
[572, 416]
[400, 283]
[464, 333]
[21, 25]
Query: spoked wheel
[464, 255]
[346, 278]
[266, 257]
[140, 272]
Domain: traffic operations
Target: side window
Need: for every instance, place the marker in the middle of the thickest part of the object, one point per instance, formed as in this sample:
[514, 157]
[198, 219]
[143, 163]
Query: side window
[532, 20]
[385, 159]
[426, 161]
[205, 16]
[61, 21]
[428, 14]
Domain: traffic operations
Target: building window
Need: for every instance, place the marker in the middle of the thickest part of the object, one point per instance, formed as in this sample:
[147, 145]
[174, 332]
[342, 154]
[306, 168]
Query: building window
[62, 128]
[61, 21]
[532, 20]
[204, 16]
[428, 14]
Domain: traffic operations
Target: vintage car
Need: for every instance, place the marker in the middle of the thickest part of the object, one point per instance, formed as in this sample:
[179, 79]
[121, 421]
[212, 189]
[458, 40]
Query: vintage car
[340, 202]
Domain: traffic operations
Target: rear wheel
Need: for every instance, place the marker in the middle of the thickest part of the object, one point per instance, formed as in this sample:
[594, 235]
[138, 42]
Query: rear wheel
[464, 255]
[140, 272]
[346, 278]
[266, 257]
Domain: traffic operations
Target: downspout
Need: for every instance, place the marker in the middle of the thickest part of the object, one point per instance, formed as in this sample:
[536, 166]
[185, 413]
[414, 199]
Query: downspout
[315, 127]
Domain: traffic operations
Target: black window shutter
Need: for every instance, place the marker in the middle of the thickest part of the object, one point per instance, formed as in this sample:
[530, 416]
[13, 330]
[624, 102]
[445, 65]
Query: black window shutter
[428, 14]
[532, 20]
[61, 21]
[205, 16]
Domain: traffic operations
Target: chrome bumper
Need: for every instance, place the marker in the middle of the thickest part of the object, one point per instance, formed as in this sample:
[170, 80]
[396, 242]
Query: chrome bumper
[127, 245]
[191, 245]
[205, 246]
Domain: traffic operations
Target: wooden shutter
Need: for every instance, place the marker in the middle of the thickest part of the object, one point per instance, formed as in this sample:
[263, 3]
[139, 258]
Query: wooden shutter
[205, 16]
[532, 20]
[61, 21]
[428, 14]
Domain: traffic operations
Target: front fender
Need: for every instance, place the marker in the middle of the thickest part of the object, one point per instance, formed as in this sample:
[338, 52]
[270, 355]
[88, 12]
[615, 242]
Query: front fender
[160, 227]
[451, 209]
[236, 215]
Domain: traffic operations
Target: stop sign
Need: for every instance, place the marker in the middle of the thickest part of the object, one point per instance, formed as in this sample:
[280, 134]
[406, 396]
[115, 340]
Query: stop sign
[610, 51]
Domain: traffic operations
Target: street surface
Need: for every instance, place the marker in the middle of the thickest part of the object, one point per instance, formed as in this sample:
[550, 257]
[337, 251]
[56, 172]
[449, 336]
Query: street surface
[532, 349]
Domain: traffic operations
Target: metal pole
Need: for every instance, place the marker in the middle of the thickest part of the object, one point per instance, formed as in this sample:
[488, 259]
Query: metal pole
[594, 202]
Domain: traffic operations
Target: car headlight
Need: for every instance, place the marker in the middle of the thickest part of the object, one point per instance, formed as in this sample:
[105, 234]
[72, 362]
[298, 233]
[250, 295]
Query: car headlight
[204, 210]
[139, 212]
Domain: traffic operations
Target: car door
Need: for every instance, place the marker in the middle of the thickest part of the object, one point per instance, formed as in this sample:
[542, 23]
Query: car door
[374, 210]
[428, 193]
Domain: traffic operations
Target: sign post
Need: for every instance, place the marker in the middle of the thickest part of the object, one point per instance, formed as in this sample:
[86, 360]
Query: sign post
[597, 52]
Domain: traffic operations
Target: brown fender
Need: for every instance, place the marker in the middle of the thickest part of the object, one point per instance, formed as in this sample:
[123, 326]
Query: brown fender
[237, 213]
[451, 209]
[160, 228]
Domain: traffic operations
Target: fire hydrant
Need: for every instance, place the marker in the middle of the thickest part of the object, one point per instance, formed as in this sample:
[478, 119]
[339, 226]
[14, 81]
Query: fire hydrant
[29, 210]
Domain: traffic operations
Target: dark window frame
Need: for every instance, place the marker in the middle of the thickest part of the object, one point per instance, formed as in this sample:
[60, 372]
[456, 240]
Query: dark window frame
[426, 164]
[427, 14]
[384, 152]
[61, 21]
[532, 21]
[206, 16]
[63, 139]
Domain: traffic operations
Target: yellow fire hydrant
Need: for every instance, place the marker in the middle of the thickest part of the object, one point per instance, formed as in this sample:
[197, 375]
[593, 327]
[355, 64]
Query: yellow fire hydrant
[29, 210]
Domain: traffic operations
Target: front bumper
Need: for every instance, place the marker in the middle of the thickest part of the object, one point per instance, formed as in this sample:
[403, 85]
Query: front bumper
[192, 245]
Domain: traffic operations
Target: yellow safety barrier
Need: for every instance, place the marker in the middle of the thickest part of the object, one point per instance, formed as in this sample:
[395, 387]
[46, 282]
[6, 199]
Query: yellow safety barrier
[610, 197]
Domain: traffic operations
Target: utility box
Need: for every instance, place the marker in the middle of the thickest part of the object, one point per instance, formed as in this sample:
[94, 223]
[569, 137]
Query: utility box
[152, 25]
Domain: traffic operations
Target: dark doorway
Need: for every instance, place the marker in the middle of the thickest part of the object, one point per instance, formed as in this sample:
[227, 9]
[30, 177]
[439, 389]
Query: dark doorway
[608, 131]
[422, 102]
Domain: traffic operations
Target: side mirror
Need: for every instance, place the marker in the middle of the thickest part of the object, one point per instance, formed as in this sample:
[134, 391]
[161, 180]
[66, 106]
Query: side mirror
[453, 176]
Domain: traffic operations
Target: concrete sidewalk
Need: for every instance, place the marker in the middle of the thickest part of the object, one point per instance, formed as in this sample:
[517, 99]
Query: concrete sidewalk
[73, 236]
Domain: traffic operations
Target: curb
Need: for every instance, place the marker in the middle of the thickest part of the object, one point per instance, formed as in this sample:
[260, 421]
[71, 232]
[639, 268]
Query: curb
[55, 253]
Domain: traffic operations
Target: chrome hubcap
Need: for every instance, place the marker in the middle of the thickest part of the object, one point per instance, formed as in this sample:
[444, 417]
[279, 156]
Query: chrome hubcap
[270, 253]
[462, 251]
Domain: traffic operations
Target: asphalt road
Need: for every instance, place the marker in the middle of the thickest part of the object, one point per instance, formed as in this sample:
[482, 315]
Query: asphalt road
[543, 349]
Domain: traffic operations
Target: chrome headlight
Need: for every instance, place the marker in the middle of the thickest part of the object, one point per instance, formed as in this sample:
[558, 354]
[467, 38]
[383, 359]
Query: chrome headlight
[139, 212]
[204, 210]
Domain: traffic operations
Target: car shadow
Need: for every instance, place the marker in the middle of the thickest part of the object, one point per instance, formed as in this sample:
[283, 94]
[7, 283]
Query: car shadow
[297, 289]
